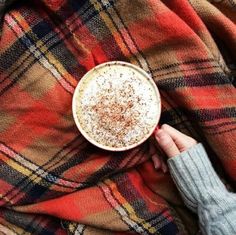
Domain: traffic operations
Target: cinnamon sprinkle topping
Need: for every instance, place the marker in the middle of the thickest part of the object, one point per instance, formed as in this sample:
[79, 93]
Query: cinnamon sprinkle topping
[117, 107]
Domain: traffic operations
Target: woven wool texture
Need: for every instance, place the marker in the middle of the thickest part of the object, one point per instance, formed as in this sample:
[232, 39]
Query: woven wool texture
[52, 181]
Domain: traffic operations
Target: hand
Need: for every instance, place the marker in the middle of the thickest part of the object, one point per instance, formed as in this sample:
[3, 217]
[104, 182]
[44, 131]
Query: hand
[172, 141]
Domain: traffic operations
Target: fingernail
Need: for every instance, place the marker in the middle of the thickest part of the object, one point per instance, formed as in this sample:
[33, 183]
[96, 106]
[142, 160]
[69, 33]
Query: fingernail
[158, 134]
[157, 165]
[156, 129]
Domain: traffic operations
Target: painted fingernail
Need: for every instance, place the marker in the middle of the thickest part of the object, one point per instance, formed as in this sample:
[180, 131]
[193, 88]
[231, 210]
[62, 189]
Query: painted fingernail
[156, 129]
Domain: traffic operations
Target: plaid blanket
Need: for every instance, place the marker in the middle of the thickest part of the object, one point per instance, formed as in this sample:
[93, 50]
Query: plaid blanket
[52, 181]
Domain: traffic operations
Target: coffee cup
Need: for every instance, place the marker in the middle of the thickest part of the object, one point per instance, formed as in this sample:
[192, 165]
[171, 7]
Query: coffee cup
[116, 106]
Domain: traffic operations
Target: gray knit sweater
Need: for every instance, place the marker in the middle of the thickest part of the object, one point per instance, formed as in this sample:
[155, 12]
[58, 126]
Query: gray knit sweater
[203, 192]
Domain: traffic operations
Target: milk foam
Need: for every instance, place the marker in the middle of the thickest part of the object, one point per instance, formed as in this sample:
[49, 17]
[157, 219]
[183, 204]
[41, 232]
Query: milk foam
[117, 106]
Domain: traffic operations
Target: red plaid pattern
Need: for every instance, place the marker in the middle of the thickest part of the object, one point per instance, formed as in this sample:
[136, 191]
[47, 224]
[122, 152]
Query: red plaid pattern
[52, 180]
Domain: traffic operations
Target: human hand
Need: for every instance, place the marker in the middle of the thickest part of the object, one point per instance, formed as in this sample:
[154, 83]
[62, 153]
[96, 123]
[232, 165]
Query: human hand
[172, 141]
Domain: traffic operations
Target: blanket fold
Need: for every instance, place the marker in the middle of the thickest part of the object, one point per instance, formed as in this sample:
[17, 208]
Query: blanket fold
[52, 181]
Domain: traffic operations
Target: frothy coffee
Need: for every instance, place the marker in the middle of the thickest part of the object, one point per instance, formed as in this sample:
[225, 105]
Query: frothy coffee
[116, 105]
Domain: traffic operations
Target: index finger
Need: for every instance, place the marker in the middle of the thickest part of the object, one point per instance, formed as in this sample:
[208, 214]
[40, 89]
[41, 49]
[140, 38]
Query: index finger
[182, 141]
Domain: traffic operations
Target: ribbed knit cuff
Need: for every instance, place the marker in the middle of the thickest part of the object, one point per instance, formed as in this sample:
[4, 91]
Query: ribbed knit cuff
[193, 174]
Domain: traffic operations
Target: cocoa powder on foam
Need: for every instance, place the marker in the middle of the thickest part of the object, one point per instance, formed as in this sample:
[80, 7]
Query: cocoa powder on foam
[117, 106]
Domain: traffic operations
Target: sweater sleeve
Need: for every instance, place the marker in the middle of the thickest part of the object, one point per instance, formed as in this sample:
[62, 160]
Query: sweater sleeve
[203, 192]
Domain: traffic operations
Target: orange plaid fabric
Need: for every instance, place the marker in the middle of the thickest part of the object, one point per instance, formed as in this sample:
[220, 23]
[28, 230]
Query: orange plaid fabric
[52, 181]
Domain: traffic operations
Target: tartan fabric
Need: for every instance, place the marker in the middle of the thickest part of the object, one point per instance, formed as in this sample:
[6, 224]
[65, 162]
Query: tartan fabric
[52, 181]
